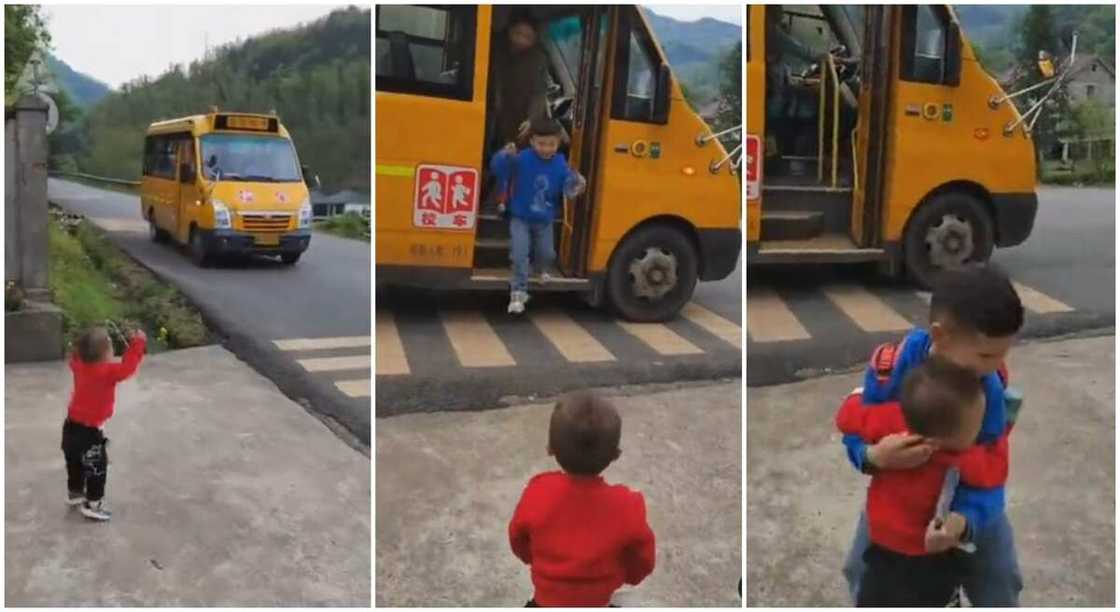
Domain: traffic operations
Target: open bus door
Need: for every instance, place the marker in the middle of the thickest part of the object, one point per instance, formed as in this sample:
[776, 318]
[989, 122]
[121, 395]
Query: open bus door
[871, 141]
[587, 117]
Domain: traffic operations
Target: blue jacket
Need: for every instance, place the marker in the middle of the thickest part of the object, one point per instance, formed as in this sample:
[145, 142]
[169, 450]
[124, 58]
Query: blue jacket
[538, 184]
[978, 506]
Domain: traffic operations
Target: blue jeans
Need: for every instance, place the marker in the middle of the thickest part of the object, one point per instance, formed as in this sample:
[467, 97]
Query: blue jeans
[525, 236]
[995, 580]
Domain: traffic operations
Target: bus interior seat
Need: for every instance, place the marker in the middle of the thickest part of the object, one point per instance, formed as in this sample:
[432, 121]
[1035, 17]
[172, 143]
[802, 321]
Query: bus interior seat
[400, 54]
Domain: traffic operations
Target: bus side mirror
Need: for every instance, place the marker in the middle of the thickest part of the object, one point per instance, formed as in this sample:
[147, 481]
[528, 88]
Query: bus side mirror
[662, 95]
[953, 55]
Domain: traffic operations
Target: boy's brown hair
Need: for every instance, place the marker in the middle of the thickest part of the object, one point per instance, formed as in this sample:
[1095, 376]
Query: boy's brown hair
[936, 395]
[584, 433]
[93, 344]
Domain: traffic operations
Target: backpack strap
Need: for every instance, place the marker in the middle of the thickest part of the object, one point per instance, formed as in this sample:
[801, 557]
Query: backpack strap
[883, 360]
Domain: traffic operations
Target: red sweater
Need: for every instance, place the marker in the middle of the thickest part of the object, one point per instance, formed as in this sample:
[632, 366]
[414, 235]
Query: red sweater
[95, 385]
[582, 538]
[901, 503]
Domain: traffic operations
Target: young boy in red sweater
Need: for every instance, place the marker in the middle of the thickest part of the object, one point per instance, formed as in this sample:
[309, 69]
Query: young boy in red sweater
[96, 377]
[581, 537]
[944, 403]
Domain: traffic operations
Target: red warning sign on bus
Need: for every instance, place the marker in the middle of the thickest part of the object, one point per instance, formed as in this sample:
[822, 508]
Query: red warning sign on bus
[446, 197]
[754, 167]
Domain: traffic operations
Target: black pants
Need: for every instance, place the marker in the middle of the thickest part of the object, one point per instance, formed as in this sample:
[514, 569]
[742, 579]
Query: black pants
[896, 580]
[87, 460]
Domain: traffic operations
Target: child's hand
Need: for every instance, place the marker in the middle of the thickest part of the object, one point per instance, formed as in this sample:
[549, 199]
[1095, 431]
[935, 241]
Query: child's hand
[575, 185]
[510, 148]
[941, 537]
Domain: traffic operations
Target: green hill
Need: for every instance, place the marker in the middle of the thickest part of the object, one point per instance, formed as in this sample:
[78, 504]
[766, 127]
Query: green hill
[316, 77]
[84, 90]
[694, 49]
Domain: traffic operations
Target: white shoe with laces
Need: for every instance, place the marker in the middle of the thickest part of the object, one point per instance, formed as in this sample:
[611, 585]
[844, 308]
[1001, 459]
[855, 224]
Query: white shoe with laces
[96, 511]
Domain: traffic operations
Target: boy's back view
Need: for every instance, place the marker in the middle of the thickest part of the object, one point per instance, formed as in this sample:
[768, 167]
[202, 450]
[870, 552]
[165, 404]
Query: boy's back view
[581, 537]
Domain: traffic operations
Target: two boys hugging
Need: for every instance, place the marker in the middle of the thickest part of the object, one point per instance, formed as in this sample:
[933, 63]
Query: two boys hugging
[935, 409]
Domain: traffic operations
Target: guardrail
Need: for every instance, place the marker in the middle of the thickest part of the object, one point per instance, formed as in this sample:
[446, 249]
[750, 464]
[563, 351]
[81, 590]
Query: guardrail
[98, 179]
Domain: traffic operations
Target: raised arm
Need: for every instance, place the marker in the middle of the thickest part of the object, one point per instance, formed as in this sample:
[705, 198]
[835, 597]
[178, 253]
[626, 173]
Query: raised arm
[519, 532]
[133, 355]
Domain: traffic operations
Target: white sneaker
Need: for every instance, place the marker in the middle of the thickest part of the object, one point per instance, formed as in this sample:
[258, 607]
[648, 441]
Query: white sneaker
[96, 511]
[516, 306]
[546, 277]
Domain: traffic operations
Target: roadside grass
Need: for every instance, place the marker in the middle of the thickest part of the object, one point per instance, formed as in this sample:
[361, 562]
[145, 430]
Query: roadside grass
[1080, 172]
[94, 283]
[350, 225]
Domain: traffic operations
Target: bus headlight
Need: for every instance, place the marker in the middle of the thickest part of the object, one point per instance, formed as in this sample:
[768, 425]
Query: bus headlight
[305, 215]
[222, 218]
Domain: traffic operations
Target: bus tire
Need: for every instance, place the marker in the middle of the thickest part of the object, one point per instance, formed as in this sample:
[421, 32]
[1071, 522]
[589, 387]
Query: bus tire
[652, 274]
[952, 229]
[154, 232]
[289, 259]
[197, 246]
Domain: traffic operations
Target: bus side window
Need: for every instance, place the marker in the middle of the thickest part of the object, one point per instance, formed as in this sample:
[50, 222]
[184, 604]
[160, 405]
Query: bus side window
[426, 50]
[633, 97]
[924, 32]
[159, 157]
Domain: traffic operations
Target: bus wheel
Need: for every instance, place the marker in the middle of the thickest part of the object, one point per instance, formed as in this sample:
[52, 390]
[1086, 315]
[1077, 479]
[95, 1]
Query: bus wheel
[951, 230]
[154, 232]
[652, 274]
[198, 249]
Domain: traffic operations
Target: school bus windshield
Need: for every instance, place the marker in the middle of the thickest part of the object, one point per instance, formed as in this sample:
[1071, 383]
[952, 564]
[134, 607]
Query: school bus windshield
[240, 157]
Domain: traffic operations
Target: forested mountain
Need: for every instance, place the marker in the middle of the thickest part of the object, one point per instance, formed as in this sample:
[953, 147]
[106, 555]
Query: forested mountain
[84, 90]
[316, 77]
[695, 49]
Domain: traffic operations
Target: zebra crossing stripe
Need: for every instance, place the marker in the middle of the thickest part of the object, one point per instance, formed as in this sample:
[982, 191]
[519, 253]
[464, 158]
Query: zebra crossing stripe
[660, 338]
[391, 358]
[769, 319]
[1038, 302]
[329, 364]
[474, 341]
[570, 338]
[322, 344]
[714, 324]
[354, 388]
[867, 311]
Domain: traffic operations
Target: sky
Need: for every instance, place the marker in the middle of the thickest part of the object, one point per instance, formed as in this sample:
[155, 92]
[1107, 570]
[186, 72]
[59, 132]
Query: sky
[694, 12]
[130, 41]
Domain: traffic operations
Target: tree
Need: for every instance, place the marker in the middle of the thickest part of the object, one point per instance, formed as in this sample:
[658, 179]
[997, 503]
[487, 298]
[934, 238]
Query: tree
[729, 113]
[24, 32]
[1036, 33]
[1093, 124]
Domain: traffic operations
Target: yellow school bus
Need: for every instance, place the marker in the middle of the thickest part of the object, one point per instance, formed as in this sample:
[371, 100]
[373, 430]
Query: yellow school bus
[248, 198]
[663, 205]
[875, 135]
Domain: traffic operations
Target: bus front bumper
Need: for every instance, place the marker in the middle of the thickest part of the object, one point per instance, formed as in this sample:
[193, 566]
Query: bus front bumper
[1014, 217]
[234, 242]
[719, 252]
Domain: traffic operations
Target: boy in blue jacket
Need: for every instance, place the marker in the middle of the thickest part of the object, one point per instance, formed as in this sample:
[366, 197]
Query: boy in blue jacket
[540, 178]
[975, 315]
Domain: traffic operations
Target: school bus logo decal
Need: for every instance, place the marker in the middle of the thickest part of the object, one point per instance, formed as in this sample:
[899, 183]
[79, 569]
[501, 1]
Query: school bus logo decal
[446, 197]
[754, 180]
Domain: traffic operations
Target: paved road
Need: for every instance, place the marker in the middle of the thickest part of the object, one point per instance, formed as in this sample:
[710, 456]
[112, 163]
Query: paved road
[306, 327]
[808, 320]
[450, 351]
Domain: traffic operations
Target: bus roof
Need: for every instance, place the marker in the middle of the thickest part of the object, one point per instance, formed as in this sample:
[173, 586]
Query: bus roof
[219, 122]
